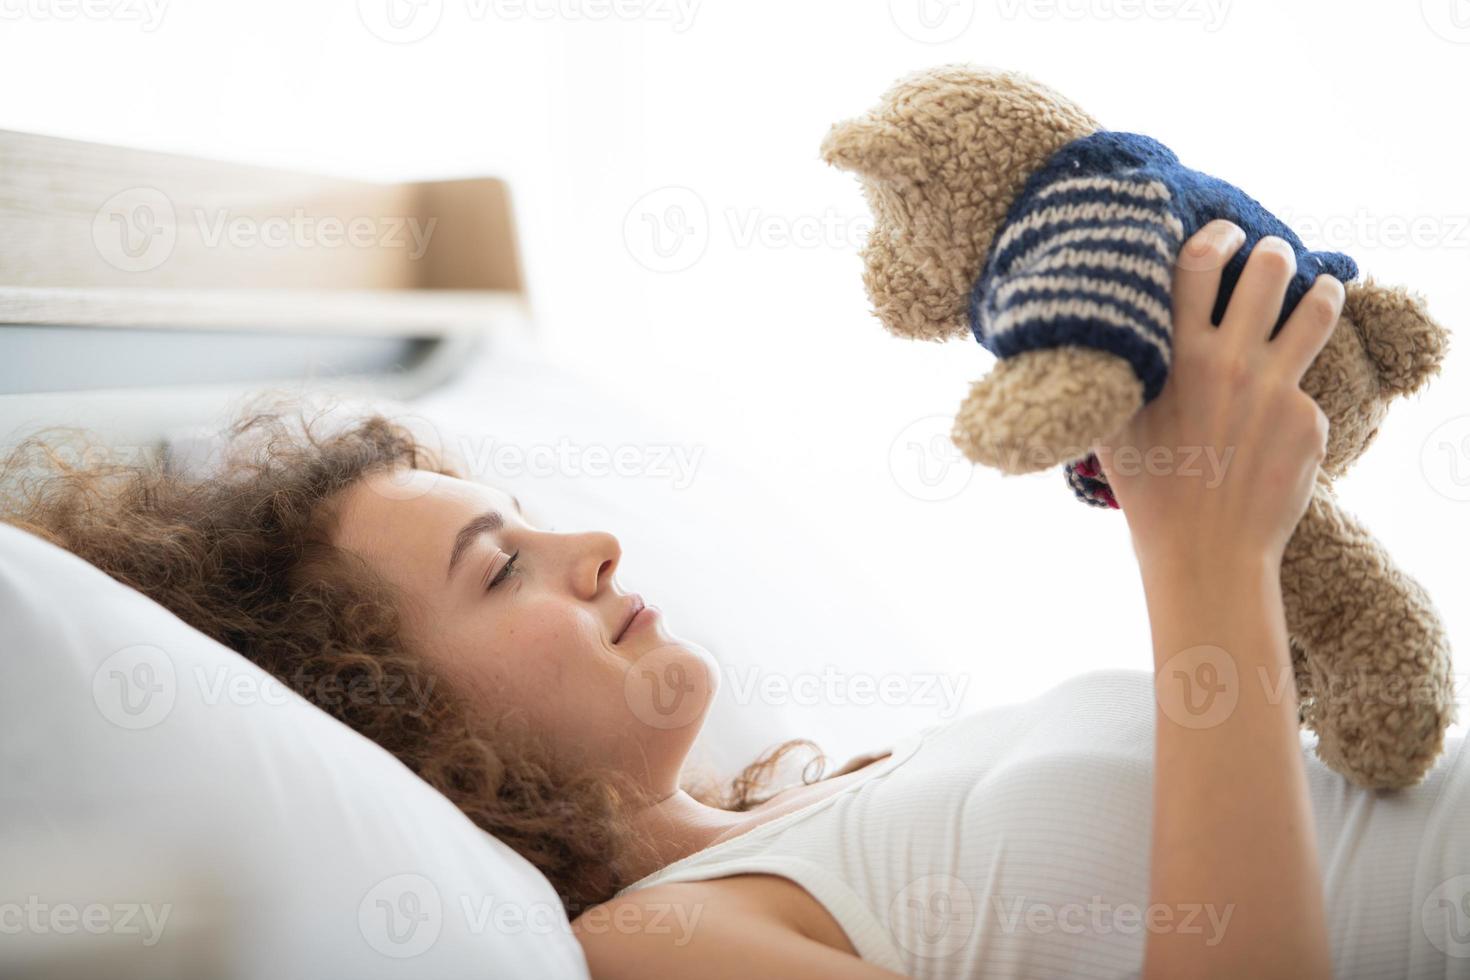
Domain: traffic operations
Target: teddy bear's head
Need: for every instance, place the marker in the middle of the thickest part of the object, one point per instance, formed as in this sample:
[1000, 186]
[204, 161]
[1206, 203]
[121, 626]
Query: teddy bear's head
[941, 159]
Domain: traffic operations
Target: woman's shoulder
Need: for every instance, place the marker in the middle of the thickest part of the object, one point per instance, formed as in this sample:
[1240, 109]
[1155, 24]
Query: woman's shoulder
[676, 915]
[689, 901]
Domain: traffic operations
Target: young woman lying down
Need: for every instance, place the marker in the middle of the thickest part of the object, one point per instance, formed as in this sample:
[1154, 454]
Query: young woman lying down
[1090, 832]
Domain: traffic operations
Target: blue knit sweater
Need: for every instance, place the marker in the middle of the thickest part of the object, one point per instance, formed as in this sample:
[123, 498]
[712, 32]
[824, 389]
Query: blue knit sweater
[1086, 257]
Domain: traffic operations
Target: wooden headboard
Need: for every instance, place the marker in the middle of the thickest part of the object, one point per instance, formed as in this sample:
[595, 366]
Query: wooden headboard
[142, 289]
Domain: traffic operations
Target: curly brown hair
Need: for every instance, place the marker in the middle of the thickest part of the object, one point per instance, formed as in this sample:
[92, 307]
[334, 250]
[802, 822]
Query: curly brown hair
[244, 554]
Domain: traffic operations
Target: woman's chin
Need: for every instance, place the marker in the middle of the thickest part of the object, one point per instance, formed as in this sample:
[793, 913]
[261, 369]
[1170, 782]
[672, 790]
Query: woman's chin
[671, 683]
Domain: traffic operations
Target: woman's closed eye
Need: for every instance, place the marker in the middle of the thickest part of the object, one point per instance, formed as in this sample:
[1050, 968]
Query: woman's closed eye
[506, 570]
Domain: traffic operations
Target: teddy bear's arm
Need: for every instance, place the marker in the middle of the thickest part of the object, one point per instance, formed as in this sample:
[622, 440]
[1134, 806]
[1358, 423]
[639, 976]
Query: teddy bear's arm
[1085, 262]
[1075, 300]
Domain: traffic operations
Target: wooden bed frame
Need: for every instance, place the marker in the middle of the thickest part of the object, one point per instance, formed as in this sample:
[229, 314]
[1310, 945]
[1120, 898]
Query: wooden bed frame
[244, 277]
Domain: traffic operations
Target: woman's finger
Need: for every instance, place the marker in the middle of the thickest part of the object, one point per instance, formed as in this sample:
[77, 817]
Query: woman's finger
[1197, 274]
[1306, 331]
[1255, 305]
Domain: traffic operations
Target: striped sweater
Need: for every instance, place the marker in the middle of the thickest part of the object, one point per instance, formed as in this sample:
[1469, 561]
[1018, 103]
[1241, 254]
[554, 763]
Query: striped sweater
[1086, 257]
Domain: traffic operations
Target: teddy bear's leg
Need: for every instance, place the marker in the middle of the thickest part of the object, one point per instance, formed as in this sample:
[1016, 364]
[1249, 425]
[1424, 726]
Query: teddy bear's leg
[1045, 407]
[1377, 687]
[1305, 693]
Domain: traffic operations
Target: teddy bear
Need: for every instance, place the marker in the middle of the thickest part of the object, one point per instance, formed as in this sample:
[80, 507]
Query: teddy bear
[1004, 211]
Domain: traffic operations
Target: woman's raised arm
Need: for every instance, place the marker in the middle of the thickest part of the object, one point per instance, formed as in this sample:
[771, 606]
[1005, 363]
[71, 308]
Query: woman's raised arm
[1232, 826]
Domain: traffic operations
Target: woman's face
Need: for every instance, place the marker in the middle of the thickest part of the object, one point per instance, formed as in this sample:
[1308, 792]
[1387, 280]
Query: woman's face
[531, 619]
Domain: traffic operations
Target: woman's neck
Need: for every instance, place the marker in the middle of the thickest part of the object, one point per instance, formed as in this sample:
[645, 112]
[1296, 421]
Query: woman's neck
[679, 825]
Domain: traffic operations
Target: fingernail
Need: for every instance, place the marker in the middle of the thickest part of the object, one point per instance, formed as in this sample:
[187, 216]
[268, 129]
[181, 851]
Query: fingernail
[1229, 232]
[1218, 234]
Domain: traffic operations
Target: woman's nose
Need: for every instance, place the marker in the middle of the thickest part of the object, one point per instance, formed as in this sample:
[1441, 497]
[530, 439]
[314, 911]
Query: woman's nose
[598, 554]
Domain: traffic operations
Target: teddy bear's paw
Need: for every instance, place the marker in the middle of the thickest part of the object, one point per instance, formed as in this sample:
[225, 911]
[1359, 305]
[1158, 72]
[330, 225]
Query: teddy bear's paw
[1046, 407]
[1388, 749]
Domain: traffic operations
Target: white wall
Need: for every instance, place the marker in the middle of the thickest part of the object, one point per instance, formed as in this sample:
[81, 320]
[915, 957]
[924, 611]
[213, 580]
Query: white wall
[762, 347]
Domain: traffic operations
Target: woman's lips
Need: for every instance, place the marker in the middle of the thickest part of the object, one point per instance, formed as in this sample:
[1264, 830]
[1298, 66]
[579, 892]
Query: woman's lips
[642, 617]
[635, 606]
[643, 620]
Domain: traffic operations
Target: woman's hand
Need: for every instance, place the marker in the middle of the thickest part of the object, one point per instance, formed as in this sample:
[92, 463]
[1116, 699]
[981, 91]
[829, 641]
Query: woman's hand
[1232, 818]
[1222, 463]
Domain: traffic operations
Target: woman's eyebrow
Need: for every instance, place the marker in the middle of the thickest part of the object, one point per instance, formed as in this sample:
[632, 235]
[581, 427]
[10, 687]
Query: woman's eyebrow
[488, 522]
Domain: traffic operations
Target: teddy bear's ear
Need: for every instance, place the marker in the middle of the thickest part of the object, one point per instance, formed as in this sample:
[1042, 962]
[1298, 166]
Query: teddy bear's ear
[872, 148]
[1405, 343]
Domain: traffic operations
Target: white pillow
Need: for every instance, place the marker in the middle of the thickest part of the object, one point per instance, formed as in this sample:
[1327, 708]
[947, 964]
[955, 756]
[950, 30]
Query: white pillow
[167, 809]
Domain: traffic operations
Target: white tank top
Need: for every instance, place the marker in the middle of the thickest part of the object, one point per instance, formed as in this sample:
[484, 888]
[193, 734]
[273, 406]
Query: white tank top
[1015, 843]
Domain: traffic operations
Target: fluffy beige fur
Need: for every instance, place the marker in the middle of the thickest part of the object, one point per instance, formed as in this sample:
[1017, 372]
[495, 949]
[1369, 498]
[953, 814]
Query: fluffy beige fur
[941, 159]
